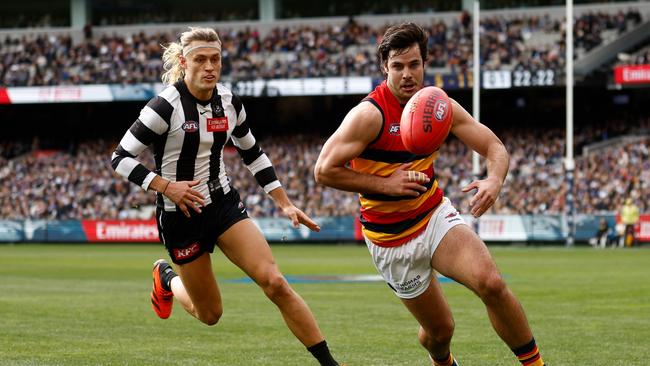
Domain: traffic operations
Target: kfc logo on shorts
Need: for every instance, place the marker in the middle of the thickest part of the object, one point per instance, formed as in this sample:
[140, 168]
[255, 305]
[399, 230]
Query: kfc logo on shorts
[393, 129]
[190, 126]
[440, 110]
[186, 253]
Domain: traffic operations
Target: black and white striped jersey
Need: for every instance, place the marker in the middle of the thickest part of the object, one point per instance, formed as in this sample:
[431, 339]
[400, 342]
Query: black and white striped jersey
[188, 138]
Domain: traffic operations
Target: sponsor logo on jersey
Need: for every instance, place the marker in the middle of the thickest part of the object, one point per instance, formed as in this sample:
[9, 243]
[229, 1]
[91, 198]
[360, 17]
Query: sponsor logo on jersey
[190, 126]
[219, 124]
[393, 129]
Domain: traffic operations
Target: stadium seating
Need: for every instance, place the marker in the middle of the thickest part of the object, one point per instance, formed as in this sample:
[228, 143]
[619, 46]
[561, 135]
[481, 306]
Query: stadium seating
[82, 185]
[303, 50]
[33, 186]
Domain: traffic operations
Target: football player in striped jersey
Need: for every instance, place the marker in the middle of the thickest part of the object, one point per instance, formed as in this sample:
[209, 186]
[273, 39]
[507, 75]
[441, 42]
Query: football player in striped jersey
[187, 125]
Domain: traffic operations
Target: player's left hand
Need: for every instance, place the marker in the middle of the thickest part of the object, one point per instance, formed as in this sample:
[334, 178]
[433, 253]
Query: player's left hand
[298, 217]
[487, 191]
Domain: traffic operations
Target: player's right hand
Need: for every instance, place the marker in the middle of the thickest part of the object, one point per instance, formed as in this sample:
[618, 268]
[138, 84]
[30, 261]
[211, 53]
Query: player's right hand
[182, 194]
[404, 182]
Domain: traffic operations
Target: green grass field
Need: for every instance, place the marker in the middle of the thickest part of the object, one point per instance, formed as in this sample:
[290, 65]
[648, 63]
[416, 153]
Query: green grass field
[89, 305]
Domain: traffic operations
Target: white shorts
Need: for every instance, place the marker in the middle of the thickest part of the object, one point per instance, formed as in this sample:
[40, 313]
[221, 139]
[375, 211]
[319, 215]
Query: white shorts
[407, 268]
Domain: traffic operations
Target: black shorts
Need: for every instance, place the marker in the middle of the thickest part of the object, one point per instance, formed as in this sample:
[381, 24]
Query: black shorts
[186, 238]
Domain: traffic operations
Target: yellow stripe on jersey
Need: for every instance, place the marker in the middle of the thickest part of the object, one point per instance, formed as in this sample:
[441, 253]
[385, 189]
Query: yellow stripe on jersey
[402, 206]
[386, 169]
[377, 237]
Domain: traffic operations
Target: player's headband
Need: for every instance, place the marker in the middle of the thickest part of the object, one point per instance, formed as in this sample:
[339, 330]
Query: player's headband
[187, 50]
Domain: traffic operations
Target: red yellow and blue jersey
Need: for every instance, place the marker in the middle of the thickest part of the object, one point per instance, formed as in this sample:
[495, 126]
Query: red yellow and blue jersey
[390, 221]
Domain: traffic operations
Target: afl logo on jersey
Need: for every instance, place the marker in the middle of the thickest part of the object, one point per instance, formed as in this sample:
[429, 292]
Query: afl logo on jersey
[393, 129]
[190, 126]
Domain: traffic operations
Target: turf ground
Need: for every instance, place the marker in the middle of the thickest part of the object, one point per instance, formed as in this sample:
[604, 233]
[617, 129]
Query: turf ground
[88, 305]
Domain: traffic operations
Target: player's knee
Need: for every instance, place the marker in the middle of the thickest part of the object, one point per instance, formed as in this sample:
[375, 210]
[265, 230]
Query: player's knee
[276, 287]
[491, 286]
[211, 316]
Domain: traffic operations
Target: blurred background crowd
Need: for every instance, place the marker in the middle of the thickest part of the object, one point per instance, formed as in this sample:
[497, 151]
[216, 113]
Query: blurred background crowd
[79, 183]
[76, 181]
[527, 42]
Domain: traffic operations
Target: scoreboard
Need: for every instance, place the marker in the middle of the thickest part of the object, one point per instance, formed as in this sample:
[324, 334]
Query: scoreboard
[520, 78]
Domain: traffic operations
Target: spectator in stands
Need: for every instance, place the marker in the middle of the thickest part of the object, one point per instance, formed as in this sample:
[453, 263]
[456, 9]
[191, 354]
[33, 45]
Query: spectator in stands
[187, 124]
[88, 31]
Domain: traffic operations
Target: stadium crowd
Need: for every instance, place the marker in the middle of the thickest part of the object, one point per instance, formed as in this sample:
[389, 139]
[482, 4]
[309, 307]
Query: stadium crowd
[58, 184]
[156, 12]
[589, 27]
[79, 183]
[300, 51]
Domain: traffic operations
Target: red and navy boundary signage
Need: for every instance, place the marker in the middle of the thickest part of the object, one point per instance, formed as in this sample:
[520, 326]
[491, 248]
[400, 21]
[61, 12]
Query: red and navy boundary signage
[120, 230]
[492, 228]
[337, 229]
[641, 229]
[636, 74]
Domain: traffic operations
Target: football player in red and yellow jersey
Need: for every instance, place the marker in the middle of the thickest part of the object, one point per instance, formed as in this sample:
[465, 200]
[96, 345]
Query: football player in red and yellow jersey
[410, 228]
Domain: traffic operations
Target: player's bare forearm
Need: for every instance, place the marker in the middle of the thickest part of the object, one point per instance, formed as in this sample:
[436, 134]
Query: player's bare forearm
[158, 184]
[346, 179]
[481, 139]
[498, 161]
[279, 196]
[403, 182]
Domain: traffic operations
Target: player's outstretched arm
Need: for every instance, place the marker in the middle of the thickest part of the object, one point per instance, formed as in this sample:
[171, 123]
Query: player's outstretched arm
[481, 139]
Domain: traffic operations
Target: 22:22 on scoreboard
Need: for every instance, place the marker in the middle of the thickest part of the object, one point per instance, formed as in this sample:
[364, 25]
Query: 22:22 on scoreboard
[505, 79]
